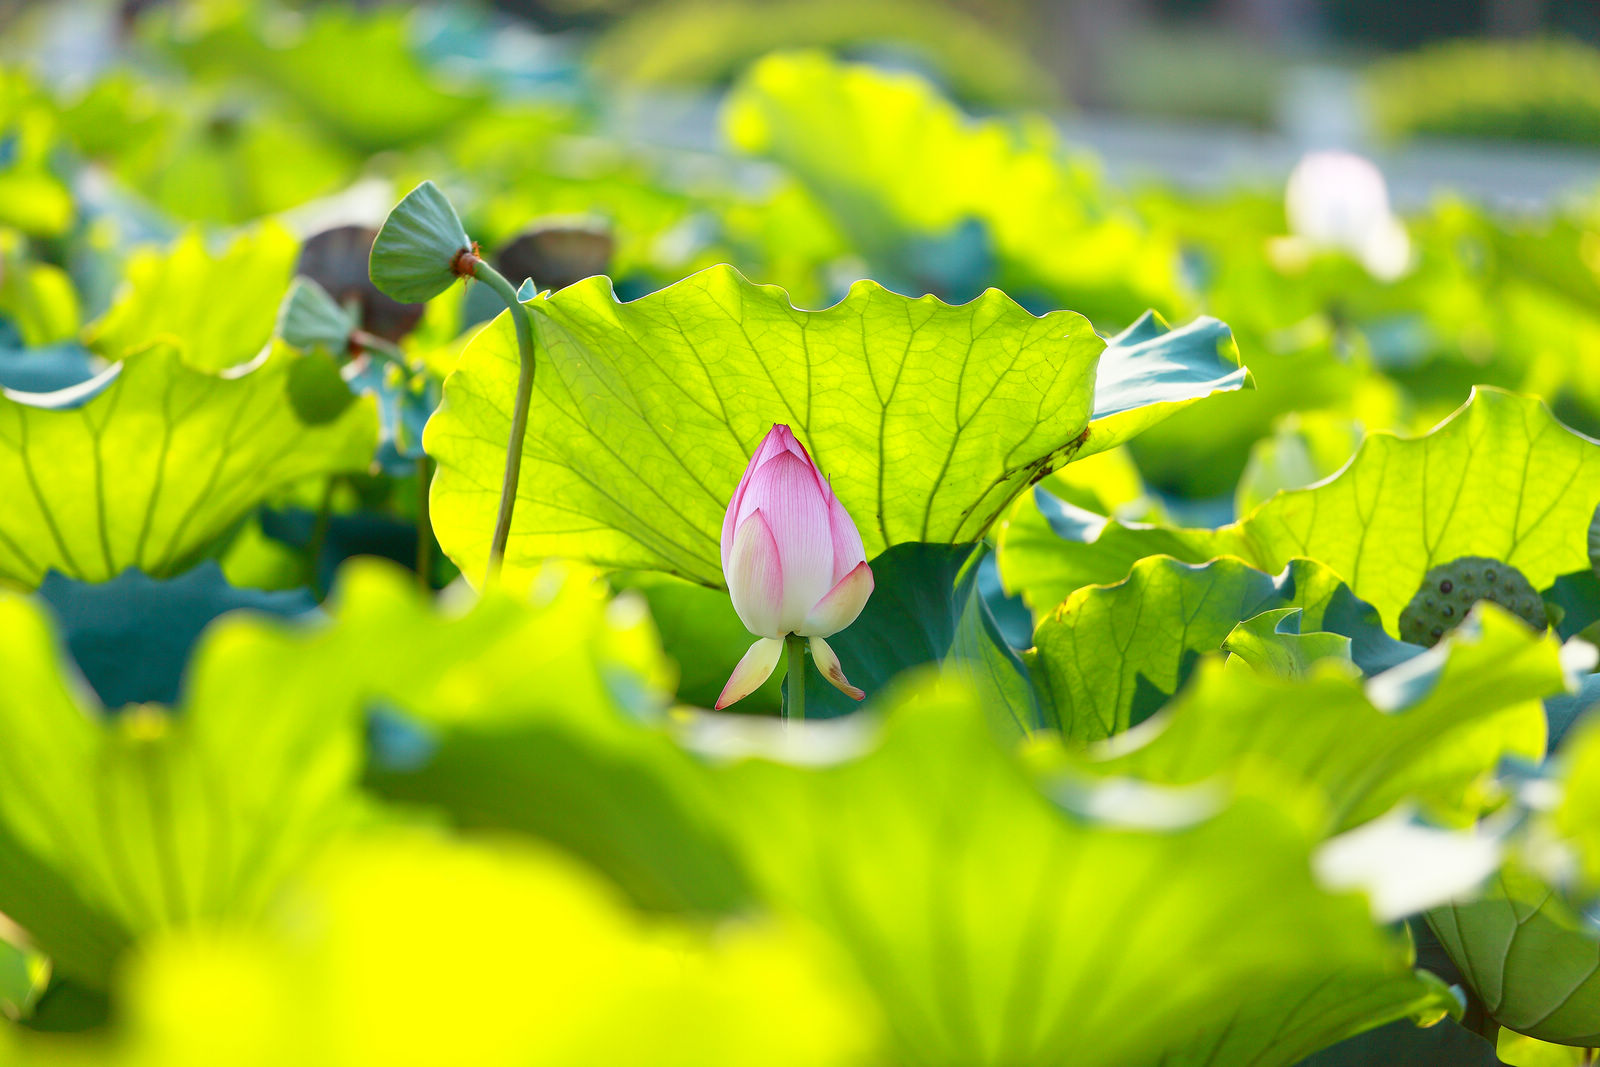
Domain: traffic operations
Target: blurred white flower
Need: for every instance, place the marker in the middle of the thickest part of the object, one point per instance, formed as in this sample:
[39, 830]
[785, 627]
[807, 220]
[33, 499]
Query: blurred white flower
[1339, 200]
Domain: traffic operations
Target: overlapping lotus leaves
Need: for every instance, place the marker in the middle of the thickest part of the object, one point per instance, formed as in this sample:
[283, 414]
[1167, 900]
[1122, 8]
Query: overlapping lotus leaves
[154, 467]
[164, 817]
[1109, 656]
[994, 927]
[1432, 730]
[894, 161]
[158, 819]
[218, 308]
[929, 418]
[1274, 642]
[563, 972]
[1501, 478]
[1532, 958]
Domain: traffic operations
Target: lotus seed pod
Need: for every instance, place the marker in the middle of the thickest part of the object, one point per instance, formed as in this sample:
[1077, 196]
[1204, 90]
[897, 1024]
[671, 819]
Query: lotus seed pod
[1449, 590]
[337, 259]
[1528, 957]
[555, 255]
[310, 318]
[415, 253]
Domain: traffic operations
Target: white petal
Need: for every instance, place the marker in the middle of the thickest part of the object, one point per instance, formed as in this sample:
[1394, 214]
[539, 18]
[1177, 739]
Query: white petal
[755, 667]
[841, 606]
[828, 664]
[755, 577]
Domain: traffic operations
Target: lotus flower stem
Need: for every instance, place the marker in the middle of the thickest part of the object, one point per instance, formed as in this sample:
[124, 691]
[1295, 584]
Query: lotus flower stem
[794, 703]
[472, 264]
[383, 350]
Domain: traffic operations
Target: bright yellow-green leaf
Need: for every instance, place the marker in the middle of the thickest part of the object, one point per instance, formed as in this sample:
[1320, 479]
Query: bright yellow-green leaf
[1502, 478]
[1109, 656]
[157, 464]
[893, 159]
[1430, 730]
[219, 309]
[412, 951]
[928, 418]
[995, 928]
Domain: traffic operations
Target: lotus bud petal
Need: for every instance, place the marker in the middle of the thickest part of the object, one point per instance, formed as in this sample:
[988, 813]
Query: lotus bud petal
[792, 557]
[827, 662]
[754, 668]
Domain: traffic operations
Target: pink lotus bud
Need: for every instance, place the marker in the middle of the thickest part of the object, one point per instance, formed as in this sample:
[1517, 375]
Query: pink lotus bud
[793, 561]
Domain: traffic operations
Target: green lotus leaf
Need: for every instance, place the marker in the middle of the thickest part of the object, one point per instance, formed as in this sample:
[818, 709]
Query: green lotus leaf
[1109, 656]
[995, 928]
[1444, 1044]
[928, 418]
[1431, 730]
[106, 626]
[152, 469]
[1529, 957]
[1578, 817]
[36, 299]
[414, 254]
[1274, 642]
[702, 635]
[337, 971]
[896, 163]
[543, 720]
[397, 100]
[1150, 371]
[1594, 542]
[1502, 478]
[219, 309]
[157, 817]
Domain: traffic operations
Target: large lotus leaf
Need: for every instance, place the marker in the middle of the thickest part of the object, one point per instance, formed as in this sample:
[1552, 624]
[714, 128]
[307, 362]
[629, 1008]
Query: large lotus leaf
[1431, 730]
[397, 100]
[158, 819]
[1048, 547]
[1110, 656]
[1578, 817]
[994, 927]
[219, 309]
[893, 160]
[1529, 957]
[1501, 477]
[541, 720]
[131, 636]
[928, 418]
[156, 465]
[526, 959]
[1444, 1044]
